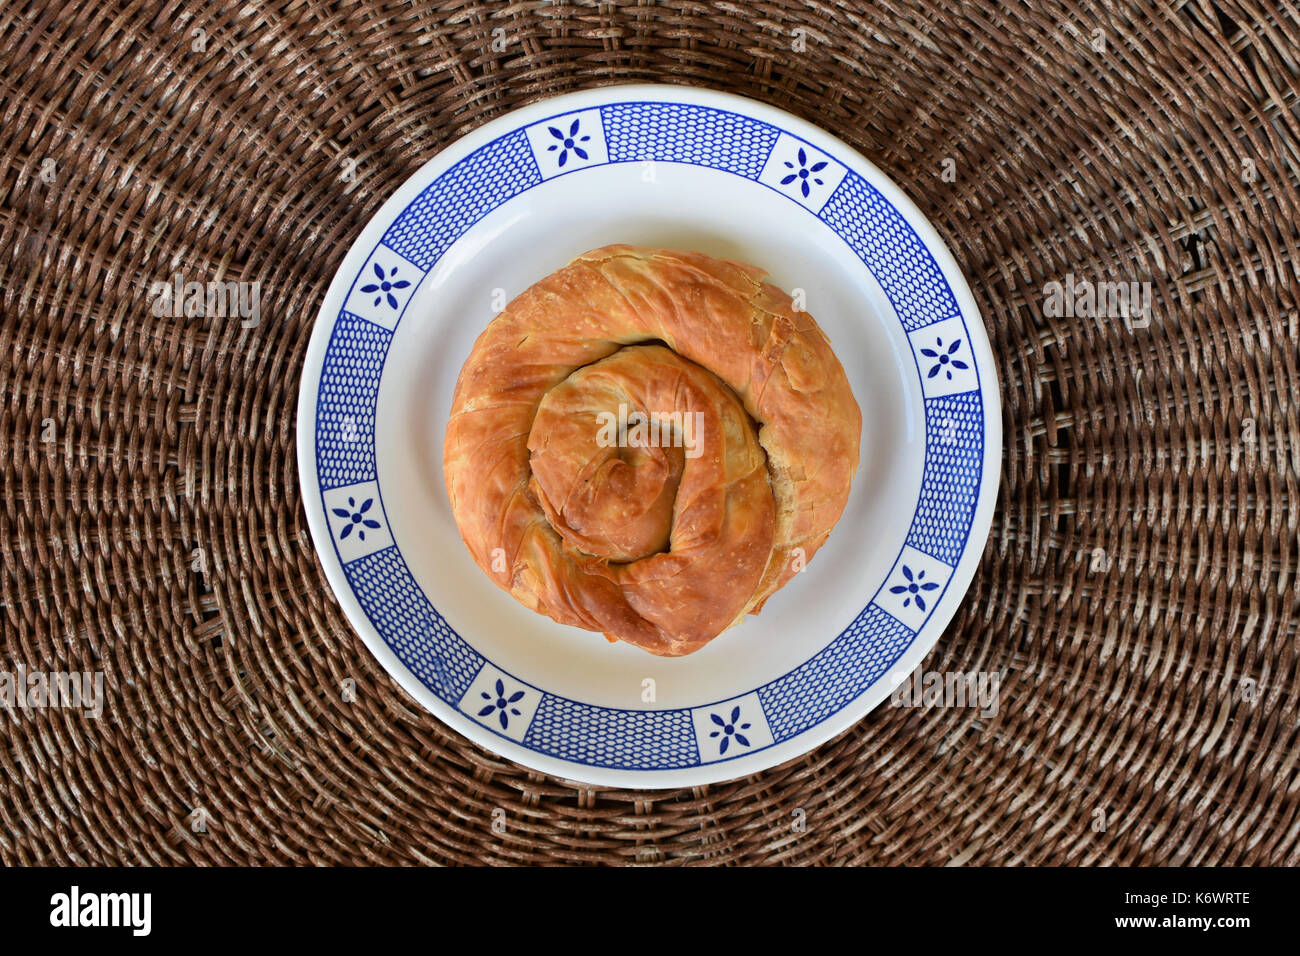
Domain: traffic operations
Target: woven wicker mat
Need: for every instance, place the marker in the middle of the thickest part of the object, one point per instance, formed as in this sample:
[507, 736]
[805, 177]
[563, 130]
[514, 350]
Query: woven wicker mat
[1138, 591]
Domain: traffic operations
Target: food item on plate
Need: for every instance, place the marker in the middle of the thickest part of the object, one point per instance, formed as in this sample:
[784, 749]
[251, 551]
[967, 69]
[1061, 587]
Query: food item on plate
[650, 443]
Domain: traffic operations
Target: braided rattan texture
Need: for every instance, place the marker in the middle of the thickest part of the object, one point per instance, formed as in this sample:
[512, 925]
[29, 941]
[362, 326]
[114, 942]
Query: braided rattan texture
[1139, 589]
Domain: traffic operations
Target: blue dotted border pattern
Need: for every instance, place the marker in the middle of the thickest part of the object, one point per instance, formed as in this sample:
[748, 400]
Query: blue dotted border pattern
[954, 455]
[609, 737]
[836, 675]
[680, 133]
[411, 626]
[345, 409]
[462, 196]
[888, 246]
[822, 686]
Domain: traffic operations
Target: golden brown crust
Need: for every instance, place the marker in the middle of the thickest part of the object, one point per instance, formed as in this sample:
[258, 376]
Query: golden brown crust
[574, 528]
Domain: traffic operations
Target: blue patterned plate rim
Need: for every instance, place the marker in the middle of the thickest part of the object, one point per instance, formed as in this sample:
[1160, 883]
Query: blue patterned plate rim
[709, 741]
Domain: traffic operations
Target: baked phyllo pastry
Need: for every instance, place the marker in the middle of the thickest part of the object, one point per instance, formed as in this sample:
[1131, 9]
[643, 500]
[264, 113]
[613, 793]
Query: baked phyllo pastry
[649, 444]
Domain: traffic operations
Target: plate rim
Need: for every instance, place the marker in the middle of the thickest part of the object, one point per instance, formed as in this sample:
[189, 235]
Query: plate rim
[924, 639]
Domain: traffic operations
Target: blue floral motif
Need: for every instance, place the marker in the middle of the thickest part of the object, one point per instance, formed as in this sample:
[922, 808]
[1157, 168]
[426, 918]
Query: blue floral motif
[356, 518]
[385, 285]
[502, 704]
[944, 358]
[915, 585]
[730, 728]
[804, 173]
[567, 143]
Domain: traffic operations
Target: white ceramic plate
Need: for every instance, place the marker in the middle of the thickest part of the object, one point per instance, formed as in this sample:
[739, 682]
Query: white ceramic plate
[671, 167]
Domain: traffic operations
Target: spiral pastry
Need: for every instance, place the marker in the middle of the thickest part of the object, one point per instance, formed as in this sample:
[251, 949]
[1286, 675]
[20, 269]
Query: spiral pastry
[649, 443]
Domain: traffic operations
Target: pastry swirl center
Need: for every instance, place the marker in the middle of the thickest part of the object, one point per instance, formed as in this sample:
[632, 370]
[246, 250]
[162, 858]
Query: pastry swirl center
[615, 446]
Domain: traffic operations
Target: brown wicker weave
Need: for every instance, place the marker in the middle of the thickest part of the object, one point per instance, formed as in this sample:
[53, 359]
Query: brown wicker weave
[150, 517]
